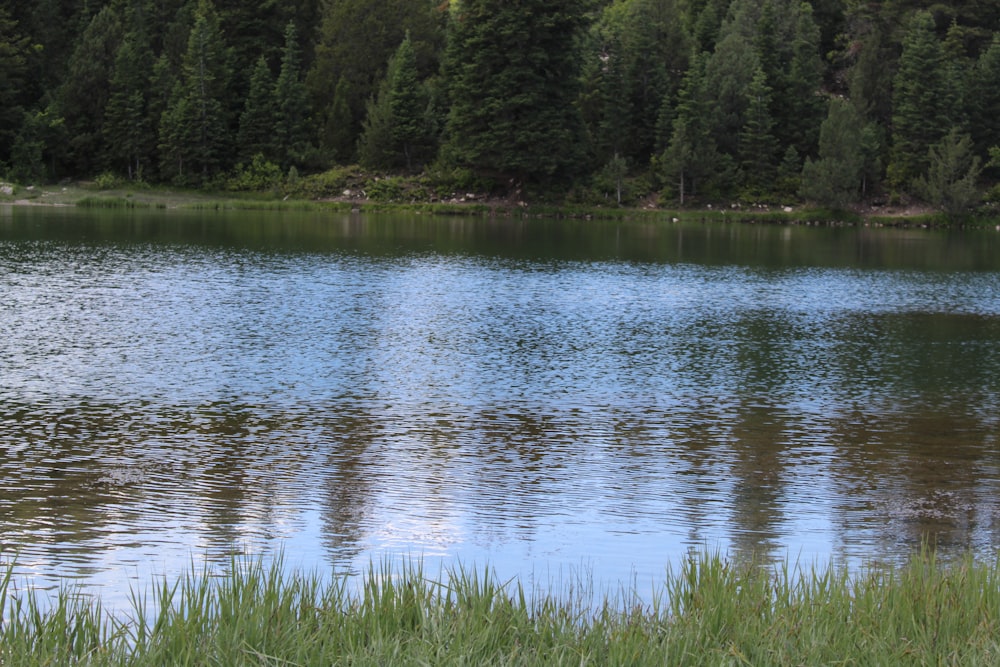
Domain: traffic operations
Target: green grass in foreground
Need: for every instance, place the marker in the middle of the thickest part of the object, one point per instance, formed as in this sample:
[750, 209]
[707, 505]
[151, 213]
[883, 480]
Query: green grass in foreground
[709, 612]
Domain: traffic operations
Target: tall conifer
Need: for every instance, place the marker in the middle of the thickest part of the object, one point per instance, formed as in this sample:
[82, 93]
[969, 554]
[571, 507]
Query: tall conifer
[513, 72]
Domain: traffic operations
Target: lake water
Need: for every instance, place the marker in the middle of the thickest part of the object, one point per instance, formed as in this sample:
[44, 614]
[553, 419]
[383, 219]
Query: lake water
[550, 398]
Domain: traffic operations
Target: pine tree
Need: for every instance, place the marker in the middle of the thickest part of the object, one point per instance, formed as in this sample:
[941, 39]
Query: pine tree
[376, 144]
[355, 40]
[923, 101]
[83, 96]
[291, 104]
[614, 118]
[194, 132]
[13, 67]
[691, 159]
[337, 133]
[835, 178]
[758, 147]
[803, 107]
[406, 102]
[395, 128]
[983, 95]
[656, 51]
[729, 73]
[128, 131]
[257, 122]
[952, 172]
[513, 73]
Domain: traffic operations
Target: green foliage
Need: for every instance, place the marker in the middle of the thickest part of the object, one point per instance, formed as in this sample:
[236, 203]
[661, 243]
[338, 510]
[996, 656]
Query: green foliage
[923, 101]
[537, 95]
[328, 184]
[758, 147]
[337, 133]
[291, 137]
[834, 179]
[355, 40]
[395, 127]
[256, 133]
[13, 68]
[129, 135]
[386, 189]
[952, 174]
[513, 74]
[194, 130]
[613, 177]
[258, 176]
[691, 161]
[84, 94]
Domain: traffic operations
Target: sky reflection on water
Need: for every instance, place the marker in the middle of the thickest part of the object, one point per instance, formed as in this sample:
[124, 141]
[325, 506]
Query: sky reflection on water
[163, 401]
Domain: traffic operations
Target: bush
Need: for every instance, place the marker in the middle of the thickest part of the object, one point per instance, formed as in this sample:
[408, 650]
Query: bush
[260, 175]
[328, 184]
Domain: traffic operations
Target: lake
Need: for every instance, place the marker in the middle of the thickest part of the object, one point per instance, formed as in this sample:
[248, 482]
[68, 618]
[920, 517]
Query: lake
[550, 398]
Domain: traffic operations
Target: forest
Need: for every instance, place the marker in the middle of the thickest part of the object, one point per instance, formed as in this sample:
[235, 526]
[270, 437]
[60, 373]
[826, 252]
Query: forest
[831, 102]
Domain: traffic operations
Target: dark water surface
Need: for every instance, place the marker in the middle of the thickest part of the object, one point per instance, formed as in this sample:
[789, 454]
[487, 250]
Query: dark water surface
[546, 397]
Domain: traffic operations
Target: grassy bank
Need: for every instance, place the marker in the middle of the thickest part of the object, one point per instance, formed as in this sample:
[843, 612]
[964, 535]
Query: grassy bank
[347, 189]
[709, 612]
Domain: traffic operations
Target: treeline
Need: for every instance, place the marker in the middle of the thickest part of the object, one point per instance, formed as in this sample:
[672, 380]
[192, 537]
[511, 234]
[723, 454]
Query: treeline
[830, 101]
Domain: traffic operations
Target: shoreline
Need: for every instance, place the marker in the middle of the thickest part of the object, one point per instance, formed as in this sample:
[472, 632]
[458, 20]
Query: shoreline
[906, 217]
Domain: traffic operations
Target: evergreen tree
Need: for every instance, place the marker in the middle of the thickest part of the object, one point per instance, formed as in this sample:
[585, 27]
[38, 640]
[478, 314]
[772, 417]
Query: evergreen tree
[835, 178]
[923, 101]
[194, 132]
[13, 67]
[612, 119]
[129, 136]
[656, 50]
[729, 73]
[804, 108]
[291, 104]
[952, 172]
[691, 160]
[983, 100]
[376, 144]
[395, 127]
[406, 102]
[337, 134]
[758, 147]
[355, 40]
[258, 120]
[83, 96]
[513, 73]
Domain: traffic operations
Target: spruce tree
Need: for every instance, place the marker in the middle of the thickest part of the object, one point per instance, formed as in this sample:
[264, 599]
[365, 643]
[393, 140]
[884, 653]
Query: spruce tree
[194, 137]
[129, 134]
[835, 178]
[406, 103]
[513, 74]
[983, 99]
[83, 96]
[337, 135]
[376, 144]
[803, 108]
[355, 40]
[952, 172]
[923, 101]
[258, 120]
[291, 104]
[758, 147]
[13, 67]
[394, 126]
[691, 159]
